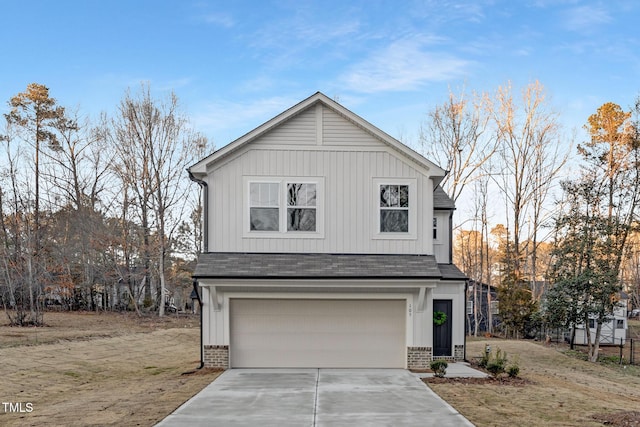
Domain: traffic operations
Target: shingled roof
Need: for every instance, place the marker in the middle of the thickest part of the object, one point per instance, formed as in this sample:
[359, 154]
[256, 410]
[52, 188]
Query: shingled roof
[441, 200]
[238, 265]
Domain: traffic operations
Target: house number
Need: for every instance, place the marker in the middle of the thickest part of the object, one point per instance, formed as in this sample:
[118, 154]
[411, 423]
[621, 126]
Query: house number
[410, 309]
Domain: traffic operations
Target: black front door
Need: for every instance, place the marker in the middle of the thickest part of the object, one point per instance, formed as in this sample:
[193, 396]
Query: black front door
[442, 333]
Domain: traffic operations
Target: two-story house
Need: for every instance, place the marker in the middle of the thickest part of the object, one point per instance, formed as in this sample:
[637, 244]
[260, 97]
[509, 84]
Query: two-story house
[327, 244]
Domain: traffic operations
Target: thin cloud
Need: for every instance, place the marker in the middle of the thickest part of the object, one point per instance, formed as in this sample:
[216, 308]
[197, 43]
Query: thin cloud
[585, 18]
[217, 119]
[403, 65]
[220, 19]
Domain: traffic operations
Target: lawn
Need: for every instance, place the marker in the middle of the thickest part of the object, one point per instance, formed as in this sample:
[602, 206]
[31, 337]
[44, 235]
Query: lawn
[106, 369]
[560, 390]
[99, 369]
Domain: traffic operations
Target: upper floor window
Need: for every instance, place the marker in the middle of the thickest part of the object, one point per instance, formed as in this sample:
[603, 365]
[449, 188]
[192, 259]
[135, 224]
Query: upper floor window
[396, 205]
[301, 207]
[278, 207]
[264, 210]
[394, 208]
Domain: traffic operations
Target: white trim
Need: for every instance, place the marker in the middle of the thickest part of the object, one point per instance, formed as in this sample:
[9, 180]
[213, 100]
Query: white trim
[412, 183]
[282, 206]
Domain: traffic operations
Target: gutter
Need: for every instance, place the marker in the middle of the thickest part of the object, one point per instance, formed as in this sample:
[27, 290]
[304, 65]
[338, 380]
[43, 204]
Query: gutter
[205, 212]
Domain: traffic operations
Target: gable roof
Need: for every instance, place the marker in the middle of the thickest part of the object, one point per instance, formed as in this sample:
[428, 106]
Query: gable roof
[199, 169]
[239, 265]
[441, 200]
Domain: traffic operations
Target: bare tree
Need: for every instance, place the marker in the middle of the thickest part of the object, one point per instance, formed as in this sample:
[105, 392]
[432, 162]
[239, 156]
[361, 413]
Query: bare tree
[78, 172]
[528, 133]
[154, 146]
[456, 136]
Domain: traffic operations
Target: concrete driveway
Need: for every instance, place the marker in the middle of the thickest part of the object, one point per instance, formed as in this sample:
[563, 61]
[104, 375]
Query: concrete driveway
[316, 397]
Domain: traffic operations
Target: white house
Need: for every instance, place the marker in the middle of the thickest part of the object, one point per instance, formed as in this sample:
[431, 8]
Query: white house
[327, 244]
[612, 332]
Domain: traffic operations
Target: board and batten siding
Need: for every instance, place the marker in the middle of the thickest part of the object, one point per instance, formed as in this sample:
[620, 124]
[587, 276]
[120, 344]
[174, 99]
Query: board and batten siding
[318, 143]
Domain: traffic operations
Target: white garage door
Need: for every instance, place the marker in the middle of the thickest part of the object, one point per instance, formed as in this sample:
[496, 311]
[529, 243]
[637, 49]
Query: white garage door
[293, 333]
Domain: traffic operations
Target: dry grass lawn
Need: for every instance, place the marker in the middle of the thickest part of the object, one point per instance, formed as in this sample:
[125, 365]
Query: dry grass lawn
[106, 369]
[561, 390]
[99, 369]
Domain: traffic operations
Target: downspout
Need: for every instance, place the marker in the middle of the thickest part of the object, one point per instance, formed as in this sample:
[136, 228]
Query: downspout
[466, 289]
[205, 248]
[195, 289]
[205, 212]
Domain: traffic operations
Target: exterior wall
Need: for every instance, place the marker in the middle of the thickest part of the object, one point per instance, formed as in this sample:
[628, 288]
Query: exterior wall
[441, 243]
[419, 326]
[347, 160]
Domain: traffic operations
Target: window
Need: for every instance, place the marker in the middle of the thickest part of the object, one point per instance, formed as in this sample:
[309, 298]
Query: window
[469, 306]
[394, 208]
[301, 207]
[435, 228]
[592, 323]
[283, 207]
[264, 211]
[619, 323]
[495, 309]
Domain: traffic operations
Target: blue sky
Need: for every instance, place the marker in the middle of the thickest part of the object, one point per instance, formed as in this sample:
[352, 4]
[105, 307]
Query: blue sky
[235, 64]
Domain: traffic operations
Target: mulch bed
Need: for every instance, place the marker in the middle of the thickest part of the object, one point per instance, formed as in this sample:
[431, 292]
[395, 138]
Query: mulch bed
[619, 419]
[503, 381]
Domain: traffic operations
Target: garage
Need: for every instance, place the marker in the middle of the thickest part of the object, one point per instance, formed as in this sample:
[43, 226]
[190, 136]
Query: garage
[317, 333]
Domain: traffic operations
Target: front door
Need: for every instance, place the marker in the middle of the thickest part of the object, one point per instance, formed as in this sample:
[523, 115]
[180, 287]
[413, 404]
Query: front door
[442, 332]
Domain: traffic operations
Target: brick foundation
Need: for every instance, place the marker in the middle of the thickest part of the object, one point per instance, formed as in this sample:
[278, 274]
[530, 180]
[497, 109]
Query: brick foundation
[419, 357]
[216, 356]
[458, 353]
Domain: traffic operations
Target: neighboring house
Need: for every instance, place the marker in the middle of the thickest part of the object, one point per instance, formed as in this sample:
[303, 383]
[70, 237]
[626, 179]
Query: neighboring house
[482, 308]
[327, 244]
[613, 332]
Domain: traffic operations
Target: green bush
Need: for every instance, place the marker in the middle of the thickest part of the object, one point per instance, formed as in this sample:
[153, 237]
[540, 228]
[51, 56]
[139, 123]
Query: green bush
[495, 367]
[439, 368]
[513, 371]
[497, 364]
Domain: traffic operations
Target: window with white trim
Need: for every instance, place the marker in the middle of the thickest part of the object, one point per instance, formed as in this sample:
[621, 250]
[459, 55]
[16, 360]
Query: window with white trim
[264, 209]
[301, 207]
[470, 306]
[394, 208]
[281, 207]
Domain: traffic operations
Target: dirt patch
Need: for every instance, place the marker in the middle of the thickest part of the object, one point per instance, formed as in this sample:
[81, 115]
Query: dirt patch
[620, 419]
[100, 369]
